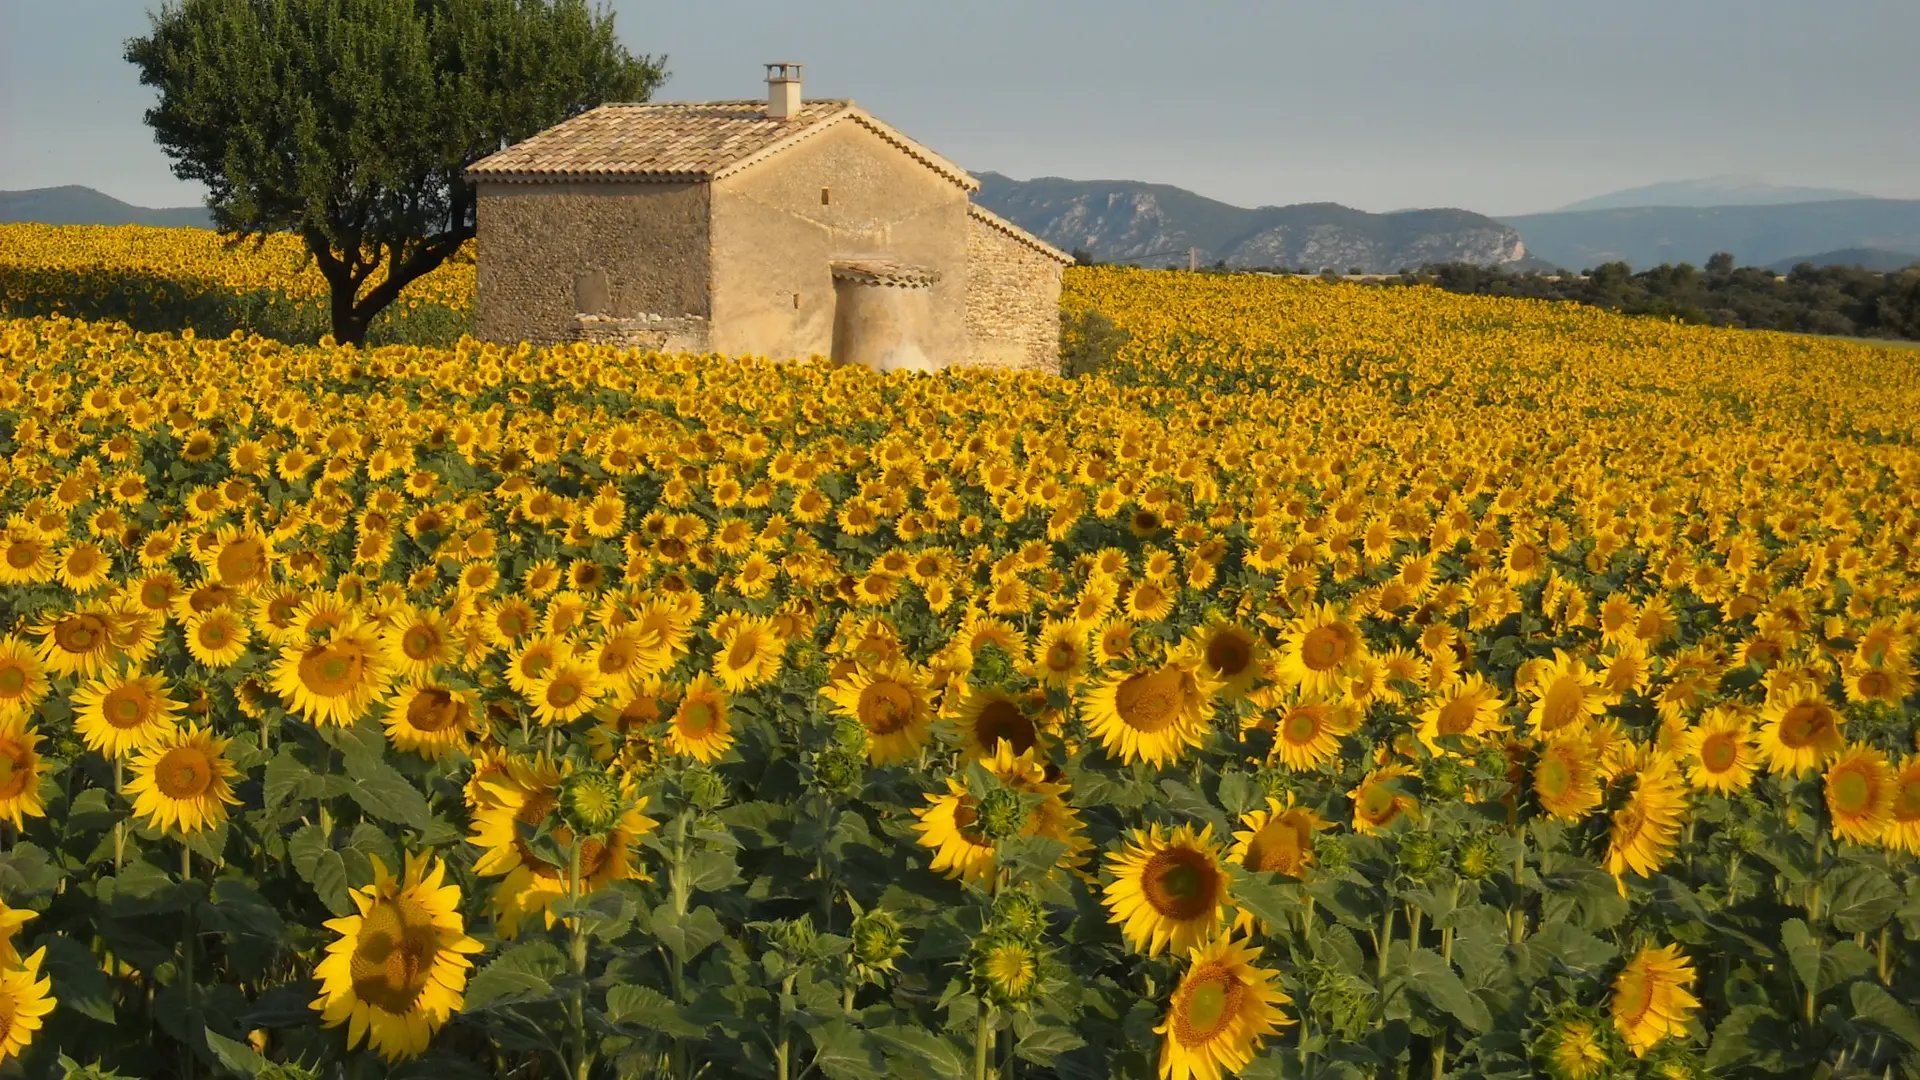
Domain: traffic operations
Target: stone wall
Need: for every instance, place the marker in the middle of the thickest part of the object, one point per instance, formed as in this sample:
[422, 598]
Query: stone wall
[548, 249]
[842, 193]
[651, 333]
[1013, 301]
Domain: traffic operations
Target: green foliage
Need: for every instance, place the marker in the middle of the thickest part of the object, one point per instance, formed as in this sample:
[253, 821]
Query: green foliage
[1089, 342]
[351, 122]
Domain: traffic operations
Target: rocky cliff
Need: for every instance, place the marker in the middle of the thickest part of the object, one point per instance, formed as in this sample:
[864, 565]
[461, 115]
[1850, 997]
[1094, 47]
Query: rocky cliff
[1155, 224]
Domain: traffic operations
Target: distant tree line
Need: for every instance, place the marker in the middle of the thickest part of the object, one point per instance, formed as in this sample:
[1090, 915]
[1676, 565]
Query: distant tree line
[1809, 299]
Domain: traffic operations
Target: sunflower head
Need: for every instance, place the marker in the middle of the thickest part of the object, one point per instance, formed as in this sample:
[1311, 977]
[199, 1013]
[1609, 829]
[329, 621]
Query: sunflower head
[877, 941]
[1578, 1045]
[1007, 968]
[591, 801]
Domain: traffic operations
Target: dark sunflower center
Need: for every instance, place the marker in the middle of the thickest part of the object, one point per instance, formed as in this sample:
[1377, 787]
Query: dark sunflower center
[1228, 654]
[432, 709]
[393, 956]
[885, 707]
[1212, 1000]
[184, 772]
[1852, 791]
[1181, 884]
[1718, 753]
[1563, 703]
[1324, 648]
[1150, 702]
[1002, 719]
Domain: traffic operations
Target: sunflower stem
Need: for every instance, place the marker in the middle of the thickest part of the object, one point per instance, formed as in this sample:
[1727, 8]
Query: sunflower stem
[1440, 1054]
[1386, 940]
[784, 1055]
[577, 1008]
[1885, 958]
[1517, 913]
[119, 827]
[187, 942]
[983, 1040]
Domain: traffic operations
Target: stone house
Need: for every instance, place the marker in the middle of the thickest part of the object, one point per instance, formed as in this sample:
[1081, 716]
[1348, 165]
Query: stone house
[779, 228]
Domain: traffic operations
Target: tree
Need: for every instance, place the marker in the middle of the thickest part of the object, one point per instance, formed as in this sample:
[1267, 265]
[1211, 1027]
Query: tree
[351, 122]
[1720, 263]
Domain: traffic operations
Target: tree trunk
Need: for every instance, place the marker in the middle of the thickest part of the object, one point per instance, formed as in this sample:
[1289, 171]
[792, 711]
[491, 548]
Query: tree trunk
[349, 322]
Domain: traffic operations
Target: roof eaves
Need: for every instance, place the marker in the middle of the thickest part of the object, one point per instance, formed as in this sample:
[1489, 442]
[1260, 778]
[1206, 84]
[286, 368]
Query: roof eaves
[989, 218]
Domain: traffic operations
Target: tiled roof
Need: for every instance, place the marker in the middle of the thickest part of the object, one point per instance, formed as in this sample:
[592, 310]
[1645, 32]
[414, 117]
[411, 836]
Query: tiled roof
[996, 221]
[685, 141]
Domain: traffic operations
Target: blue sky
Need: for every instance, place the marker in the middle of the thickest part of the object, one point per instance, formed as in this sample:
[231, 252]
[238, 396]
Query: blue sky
[1501, 107]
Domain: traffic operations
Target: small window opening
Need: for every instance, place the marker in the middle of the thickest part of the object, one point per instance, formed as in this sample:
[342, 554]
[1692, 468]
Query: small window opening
[826, 196]
[796, 300]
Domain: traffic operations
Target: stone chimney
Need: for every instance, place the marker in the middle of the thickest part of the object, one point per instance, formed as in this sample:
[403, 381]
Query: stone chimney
[783, 90]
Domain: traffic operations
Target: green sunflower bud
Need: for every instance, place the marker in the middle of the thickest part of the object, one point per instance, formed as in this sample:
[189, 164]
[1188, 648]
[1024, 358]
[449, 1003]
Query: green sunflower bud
[1672, 1061]
[1277, 783]
[795, 938]
[850, 735]
[1002, 814]
[839, 770]
[704, 787]
[1421, 853]
[1020, 914]
[992, 666]
[1445, 780]
[591, 801]
[1330, 852]
[1478, 857]
[877, 941]
[1007, 969]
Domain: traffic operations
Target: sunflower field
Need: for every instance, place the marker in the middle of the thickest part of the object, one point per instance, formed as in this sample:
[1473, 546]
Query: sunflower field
[1345, 683]
[174, 279]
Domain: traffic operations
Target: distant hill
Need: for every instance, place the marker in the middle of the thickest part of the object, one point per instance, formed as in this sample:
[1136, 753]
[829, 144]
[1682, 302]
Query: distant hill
[1873, 259]
[1125, 221]
[1710, 191]
[76, 205]
[1756, 235]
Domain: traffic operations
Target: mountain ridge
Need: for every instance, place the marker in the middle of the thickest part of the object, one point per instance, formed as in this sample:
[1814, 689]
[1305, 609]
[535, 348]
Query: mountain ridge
[75, 204]
[1708, 191]
[1131, 221]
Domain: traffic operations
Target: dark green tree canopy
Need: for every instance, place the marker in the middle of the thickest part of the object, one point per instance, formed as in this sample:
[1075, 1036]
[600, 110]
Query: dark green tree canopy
[350, 122]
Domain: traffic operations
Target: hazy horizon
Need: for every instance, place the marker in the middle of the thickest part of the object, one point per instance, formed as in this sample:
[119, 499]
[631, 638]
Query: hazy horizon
[1489, 106]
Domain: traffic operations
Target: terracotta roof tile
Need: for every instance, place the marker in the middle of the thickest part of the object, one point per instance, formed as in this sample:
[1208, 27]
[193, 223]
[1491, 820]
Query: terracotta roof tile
[697, 140]
[996, 221]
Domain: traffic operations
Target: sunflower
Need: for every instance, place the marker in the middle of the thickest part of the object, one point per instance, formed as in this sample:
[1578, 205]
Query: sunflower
[1220, 1012]
[890, 702]
[1577, 1048]
[1566, 779]
[527, 792]
[417, 641]
[1903, 827]
[182, 781]
[1889, 684]
[429, 719]
[83, 567]
[1321, 647]
[1860, 792]
[77, 643]
[623, 655]
[1466, 707]
[567, 691]
[1234, 656]
[11, 920]
[989, 718]
[396, 972]
[1152, 715]
[25, 997]
[1645, 829]
[1378, 800]
[1307, 733]
[1719, 752]
[1168, 891]
[1652, 997]
[1565, 693]
[1803, 728]
[26, 559]
[19, 771]
[1060, 654]
[1275, 839]
[218, 638]
[700, 727]
[951, 828]
[123, 712]
[23, 679]
[334, 680]
[535, 659]
[750, 655]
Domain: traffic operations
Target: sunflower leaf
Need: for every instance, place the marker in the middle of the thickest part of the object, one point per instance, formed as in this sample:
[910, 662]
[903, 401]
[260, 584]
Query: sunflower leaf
[1872, 1002]
[1434, 979]
[914, 1050]
[521, 974]
[78, 982]
[685, 935]
[236, 1056]
[647, 1008]
[321, 867]
[287, 780]
[844, 1052]
[1862, 899]
[381, 791]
